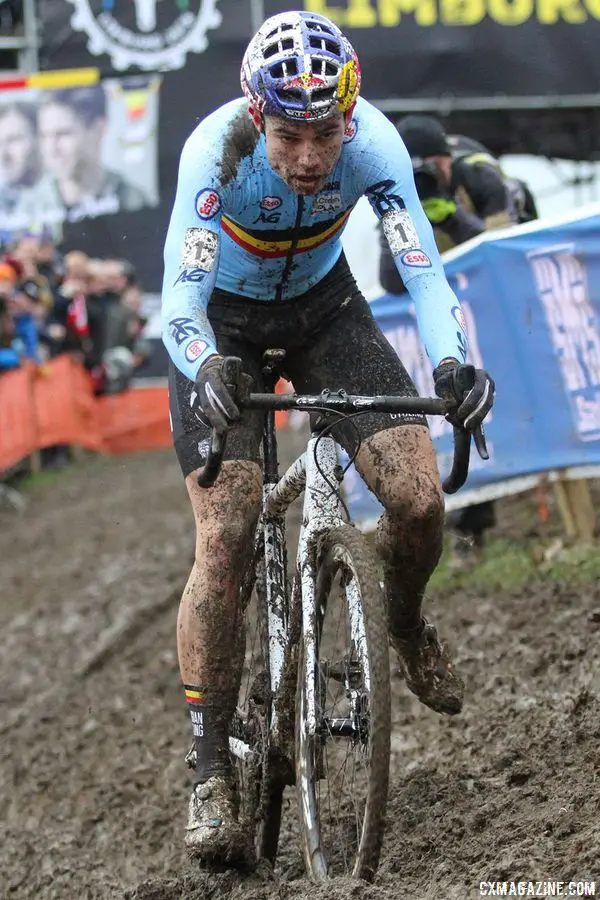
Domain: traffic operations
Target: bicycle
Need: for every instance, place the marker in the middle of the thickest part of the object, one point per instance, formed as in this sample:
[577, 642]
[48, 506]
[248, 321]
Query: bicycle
[340, 681]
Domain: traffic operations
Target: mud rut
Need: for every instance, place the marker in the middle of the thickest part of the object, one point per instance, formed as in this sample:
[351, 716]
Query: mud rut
[93, 787]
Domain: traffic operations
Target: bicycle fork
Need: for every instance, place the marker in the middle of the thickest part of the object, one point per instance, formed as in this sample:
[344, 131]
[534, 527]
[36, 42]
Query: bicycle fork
[322, 512]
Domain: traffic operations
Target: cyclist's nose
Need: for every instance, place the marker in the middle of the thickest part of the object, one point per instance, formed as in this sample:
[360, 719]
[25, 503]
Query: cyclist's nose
[308, 156]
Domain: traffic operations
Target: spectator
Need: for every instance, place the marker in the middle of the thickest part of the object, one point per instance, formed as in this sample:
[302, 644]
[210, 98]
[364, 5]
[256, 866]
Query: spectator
[25, 254]
[27, 311]
[68, 327]
[9, 358]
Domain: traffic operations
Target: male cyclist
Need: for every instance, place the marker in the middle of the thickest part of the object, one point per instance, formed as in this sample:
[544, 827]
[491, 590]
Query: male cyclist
[253, 260]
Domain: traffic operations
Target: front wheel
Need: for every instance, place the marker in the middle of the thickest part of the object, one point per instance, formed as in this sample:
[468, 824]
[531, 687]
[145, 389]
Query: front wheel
[342, 770]
[260, 790]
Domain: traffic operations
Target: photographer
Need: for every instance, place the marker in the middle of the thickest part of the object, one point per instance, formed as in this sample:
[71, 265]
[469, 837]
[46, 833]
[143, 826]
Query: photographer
[463, 192]
[462, 195]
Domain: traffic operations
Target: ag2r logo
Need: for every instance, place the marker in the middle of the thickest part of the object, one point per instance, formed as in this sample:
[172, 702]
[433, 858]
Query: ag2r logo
[182, 328]
[190, 276]
[381, 199]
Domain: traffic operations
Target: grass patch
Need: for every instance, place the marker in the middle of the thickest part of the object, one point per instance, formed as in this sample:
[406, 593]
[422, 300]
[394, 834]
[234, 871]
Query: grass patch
[35, 480]
[510, 565]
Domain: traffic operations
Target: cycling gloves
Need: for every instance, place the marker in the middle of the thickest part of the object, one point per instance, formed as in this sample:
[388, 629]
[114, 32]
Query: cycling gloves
[469, 390]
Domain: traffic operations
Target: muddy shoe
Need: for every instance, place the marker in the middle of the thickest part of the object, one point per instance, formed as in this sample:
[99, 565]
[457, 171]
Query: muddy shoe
[429, 670]
[213, 833]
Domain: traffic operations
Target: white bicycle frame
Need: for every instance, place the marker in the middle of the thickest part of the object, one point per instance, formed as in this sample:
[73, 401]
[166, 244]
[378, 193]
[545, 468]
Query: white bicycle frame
[314, 473]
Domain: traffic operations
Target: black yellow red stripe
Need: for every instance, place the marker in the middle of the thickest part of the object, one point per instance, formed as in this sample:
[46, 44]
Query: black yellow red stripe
[194, 695]
[254, 243]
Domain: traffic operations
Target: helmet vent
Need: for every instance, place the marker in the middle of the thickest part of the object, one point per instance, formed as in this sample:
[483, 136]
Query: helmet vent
[285, 26]
[290, 94]
[319, 26]
[323, 67]
[286, 69]
[278, 47]
[323, 95]
[322, 42]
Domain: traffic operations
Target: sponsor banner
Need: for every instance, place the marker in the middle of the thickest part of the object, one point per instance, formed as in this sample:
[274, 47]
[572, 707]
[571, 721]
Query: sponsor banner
[74, 148]
[530, 297]
[468, 48]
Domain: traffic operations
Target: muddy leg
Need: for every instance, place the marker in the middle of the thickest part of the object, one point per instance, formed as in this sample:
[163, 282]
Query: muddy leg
[208, 619]
[399, 465]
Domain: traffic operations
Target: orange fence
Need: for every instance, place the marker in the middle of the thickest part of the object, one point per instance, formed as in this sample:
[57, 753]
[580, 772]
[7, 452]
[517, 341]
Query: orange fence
[55, 404]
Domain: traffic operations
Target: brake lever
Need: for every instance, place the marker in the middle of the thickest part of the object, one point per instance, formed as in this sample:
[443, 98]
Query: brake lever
[480, 442]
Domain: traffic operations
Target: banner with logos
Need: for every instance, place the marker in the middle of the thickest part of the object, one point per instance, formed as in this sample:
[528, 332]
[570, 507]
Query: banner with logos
[408, 49]
[75, 148]
[531, 297]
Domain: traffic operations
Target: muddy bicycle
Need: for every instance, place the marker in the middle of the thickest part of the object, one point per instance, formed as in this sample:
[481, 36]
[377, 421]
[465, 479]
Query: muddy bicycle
[314, 703]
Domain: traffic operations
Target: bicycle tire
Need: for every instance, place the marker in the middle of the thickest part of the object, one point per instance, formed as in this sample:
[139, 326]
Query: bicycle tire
[261, 795]
[345, 550]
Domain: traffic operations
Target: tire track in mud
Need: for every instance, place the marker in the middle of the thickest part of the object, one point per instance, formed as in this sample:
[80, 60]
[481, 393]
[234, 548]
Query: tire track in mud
[93, 786]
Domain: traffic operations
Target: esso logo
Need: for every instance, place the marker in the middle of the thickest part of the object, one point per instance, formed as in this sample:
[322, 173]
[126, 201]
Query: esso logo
[194, 350]
[208, 204]
[459, 317]
[270, 202]
[416, 258]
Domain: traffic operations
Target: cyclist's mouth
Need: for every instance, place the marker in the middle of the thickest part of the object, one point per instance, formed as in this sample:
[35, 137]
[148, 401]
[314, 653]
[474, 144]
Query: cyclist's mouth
[308, 183]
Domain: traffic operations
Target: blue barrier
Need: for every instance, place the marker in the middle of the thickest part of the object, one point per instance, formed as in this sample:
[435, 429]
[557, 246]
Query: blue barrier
[531, 298]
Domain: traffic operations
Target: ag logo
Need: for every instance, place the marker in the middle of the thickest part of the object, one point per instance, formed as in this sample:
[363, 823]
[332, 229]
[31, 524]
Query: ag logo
[151, 34]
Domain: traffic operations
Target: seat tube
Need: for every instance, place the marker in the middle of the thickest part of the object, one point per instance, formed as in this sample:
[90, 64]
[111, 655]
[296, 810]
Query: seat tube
[275, 558]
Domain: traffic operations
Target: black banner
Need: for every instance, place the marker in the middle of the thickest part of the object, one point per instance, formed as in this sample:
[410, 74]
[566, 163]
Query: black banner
[460, 58]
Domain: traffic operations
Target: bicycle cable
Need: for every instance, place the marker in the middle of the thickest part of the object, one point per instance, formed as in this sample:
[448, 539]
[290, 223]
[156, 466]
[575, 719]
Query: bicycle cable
[341, 417]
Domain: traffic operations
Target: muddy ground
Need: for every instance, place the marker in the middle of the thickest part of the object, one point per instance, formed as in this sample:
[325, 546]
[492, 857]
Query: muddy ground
[93, 787]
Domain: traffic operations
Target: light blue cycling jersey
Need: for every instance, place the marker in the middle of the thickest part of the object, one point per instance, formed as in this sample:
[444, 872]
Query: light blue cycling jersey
[237, 225]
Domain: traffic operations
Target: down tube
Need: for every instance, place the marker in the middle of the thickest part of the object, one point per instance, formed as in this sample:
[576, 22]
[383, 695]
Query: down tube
[275, 566]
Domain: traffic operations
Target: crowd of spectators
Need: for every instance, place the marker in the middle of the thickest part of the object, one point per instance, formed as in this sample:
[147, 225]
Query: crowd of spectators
[52, 304]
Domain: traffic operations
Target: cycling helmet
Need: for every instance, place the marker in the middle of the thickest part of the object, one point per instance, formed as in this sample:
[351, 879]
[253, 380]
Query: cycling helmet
[300, 66]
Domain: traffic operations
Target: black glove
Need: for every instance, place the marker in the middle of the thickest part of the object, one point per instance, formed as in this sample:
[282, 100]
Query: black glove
[469, 390]
[220, 383]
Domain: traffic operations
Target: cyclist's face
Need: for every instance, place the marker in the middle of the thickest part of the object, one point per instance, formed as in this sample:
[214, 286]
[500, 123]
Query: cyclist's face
[304, 153]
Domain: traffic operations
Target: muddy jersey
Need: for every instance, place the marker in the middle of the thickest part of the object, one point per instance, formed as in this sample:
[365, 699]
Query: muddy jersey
[236, 225]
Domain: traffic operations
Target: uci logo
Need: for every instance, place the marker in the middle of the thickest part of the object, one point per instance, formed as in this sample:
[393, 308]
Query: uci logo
[151, 34]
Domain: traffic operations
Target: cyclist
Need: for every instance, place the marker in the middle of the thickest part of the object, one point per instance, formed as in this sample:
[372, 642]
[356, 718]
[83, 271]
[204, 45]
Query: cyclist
[253, 260]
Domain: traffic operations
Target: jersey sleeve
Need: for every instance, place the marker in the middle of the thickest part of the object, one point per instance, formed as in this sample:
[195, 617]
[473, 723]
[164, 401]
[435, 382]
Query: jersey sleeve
[191, 256]
[386, 177]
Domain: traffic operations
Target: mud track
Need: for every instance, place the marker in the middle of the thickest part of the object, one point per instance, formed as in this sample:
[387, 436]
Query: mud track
[93, 787]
